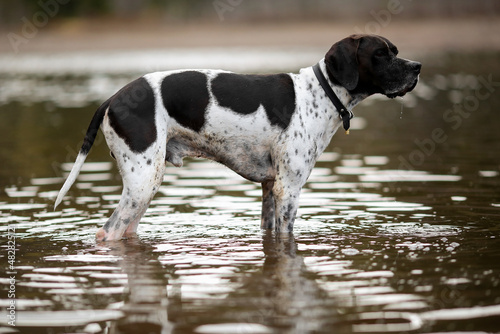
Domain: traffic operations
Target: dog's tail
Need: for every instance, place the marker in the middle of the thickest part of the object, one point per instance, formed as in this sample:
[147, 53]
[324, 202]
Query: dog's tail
[88, 141]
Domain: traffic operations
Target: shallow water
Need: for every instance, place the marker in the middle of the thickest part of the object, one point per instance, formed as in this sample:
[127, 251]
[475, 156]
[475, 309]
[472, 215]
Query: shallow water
[398, 228]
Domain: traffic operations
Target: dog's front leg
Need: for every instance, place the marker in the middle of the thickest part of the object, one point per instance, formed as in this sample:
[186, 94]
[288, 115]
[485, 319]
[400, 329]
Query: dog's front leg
[286, 205]
[268, 206]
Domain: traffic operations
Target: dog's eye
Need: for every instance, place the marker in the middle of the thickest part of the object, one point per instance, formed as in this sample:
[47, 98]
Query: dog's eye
[380, 53]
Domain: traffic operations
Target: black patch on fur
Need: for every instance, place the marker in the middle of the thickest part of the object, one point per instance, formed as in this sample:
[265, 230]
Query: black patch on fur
[185, 96]
[245, 93]
[132, 115]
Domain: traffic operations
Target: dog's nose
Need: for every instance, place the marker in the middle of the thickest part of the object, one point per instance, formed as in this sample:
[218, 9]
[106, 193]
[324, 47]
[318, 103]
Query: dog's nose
[416, 66]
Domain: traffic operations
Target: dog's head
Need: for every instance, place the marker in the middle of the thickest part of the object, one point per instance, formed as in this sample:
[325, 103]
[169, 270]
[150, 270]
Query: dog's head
[368, 64]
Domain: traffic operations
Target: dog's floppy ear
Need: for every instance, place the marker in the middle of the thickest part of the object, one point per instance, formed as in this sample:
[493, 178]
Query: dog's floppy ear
[342, 61]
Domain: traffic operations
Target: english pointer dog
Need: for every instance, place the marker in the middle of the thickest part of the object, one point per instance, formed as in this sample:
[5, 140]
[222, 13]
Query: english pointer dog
[269, 129]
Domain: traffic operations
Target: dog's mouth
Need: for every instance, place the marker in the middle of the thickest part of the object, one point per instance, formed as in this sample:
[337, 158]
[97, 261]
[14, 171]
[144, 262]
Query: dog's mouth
[405, 90]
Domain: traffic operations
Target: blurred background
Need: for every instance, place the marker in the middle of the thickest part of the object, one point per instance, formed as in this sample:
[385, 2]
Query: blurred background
[110, 24]
[256, 11]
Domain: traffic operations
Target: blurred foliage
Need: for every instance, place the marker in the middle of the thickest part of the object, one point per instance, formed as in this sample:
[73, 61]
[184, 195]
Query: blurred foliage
[11, 12]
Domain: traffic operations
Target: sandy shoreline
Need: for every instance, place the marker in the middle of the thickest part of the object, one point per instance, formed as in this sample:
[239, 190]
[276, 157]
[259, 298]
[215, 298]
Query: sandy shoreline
[426, 36]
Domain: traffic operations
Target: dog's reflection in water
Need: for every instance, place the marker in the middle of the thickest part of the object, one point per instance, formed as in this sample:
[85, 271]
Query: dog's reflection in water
[145, 304]
[281, 295]
[287, 296]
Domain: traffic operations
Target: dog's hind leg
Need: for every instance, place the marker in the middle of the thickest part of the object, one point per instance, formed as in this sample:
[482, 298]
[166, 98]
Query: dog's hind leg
[268, 208]
[142, 175]
[135, 131]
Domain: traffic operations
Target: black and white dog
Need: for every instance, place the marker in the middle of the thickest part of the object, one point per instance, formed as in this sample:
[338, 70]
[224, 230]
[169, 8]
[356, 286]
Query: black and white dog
[267, 128]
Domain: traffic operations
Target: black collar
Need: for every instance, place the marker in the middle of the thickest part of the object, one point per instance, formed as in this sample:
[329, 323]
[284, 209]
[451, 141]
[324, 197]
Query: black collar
[345, 114]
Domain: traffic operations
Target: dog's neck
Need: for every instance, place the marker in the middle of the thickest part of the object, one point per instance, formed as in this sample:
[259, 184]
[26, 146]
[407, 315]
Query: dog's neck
[327, 124]
[347, 99]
